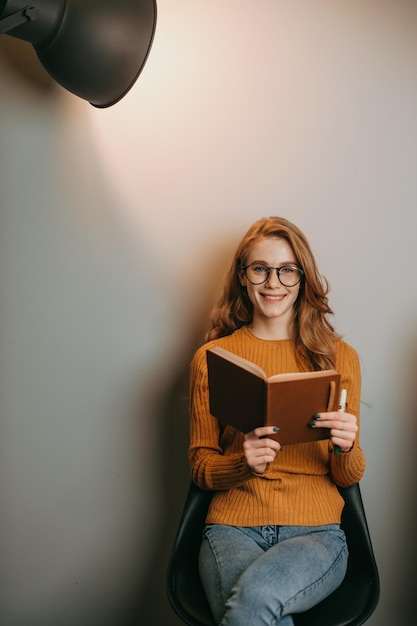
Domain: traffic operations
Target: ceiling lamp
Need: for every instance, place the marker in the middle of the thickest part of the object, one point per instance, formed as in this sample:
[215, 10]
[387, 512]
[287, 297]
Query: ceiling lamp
[94, 48]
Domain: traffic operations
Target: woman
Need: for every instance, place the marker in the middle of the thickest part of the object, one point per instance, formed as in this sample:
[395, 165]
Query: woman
[272, 545]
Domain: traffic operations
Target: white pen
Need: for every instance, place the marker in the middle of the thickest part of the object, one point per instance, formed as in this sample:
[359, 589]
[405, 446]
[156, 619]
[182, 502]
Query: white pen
[342, 409]
[342, 403]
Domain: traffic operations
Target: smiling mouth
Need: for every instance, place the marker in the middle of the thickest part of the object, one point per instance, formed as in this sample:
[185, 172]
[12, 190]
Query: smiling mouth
[272, 298]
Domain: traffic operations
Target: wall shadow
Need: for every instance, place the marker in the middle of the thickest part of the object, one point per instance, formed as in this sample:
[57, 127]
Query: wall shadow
[153, 608]
[171, 416]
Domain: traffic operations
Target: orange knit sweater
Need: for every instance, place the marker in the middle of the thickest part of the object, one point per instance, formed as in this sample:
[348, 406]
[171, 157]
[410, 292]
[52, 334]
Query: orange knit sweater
[299, 487]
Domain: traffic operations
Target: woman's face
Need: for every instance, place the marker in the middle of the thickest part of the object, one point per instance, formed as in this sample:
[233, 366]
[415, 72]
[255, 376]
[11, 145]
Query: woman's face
[273, 303]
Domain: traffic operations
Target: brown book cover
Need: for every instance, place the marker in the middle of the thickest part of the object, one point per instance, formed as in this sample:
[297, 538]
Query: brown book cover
[243, 396]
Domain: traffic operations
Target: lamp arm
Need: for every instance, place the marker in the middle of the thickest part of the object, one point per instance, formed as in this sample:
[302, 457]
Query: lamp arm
[27, 14]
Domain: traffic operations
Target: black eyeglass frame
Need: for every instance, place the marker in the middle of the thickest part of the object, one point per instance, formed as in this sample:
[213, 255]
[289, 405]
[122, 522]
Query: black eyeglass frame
[269, 270]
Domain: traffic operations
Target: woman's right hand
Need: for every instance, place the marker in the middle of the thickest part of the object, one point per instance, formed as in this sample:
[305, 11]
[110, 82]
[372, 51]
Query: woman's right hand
[259, 449]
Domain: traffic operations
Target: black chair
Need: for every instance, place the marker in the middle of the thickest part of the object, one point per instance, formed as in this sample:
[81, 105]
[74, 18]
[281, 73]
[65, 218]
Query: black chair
[350, 605]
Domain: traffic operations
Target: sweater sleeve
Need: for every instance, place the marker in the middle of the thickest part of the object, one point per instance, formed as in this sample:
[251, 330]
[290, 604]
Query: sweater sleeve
[347, 469]
[210, 468]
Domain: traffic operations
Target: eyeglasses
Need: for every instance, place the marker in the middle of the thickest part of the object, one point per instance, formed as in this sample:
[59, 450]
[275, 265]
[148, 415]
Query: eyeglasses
[258, 273]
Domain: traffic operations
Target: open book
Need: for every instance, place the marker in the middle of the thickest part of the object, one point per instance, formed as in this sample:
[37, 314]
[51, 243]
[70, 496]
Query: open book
[241, 395]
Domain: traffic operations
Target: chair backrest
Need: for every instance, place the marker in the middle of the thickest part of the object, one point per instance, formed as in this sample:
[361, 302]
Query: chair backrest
[350, 605]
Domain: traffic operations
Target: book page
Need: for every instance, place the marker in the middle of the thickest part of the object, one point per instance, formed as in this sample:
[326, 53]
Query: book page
[300, 375]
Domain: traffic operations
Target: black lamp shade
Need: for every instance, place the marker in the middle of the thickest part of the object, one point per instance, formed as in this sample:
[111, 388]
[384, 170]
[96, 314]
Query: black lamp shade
[94, 48]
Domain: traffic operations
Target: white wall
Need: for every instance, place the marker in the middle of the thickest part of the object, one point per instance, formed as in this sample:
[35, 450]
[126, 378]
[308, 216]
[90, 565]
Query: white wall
[115, 227]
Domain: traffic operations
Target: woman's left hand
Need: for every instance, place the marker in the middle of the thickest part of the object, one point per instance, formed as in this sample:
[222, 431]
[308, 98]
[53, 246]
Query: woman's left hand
[343, 428]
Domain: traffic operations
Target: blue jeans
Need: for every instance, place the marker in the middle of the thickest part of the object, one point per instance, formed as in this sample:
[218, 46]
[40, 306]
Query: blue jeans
[260, 576]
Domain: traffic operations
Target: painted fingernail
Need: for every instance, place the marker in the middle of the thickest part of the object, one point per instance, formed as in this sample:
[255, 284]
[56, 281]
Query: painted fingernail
[316, 416]
[275, 429]
[312, 424]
